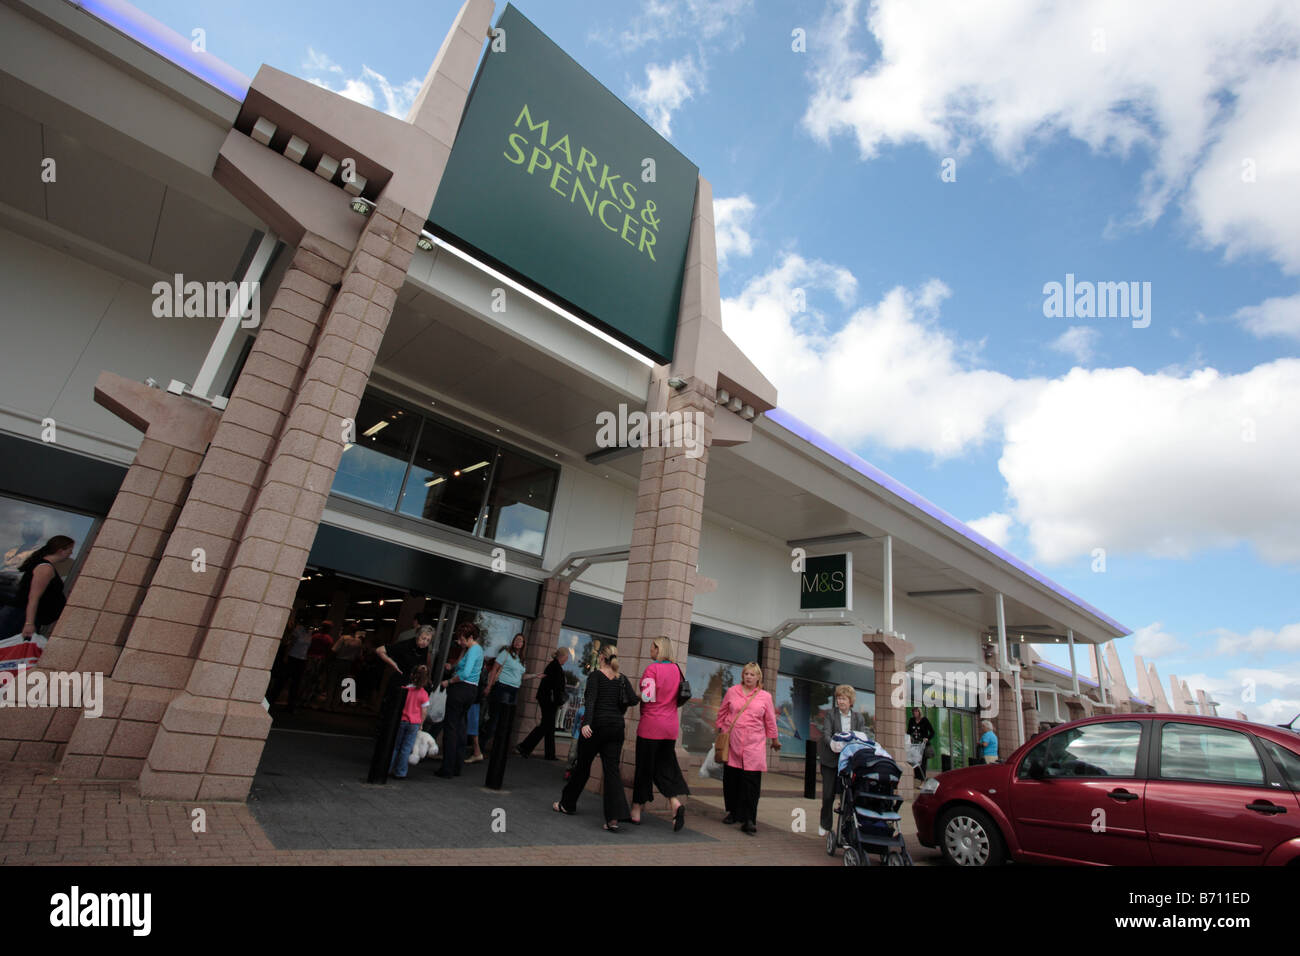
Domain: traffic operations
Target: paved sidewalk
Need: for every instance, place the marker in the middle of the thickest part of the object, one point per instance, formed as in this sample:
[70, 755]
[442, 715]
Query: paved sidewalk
[310, 806]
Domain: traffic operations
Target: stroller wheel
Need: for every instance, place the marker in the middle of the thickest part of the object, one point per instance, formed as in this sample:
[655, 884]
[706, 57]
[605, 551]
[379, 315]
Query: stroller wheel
[895, 858]
[853, 858]
[830, 842]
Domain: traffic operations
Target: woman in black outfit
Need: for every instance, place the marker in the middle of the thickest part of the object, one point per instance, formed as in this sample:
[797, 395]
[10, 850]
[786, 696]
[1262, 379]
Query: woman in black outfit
[40, 599]
[602, 735]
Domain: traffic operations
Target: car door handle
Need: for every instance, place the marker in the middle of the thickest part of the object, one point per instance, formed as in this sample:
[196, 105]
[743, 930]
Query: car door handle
[1263, 806]
[1122, 795]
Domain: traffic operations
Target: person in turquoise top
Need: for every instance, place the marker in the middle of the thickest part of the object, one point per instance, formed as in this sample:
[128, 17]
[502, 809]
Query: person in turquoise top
[988, 743]
[503, 682]
[462, 691]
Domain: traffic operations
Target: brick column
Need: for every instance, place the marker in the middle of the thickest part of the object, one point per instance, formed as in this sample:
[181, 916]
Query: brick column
[211, 736]
[1030, 709]
[114, 576]
[769, 658]
[889, 658]
[543, 640]
[660, 591]
[1074, 708]
[1006, 725]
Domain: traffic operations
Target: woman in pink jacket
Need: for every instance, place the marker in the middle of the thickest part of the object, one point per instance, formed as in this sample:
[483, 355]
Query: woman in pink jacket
[748, 713]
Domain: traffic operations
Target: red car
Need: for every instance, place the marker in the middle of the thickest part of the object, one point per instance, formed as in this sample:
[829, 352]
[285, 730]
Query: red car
[1125, 789]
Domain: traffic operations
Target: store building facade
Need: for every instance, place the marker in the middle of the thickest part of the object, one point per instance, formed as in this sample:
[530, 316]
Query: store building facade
[410, 431]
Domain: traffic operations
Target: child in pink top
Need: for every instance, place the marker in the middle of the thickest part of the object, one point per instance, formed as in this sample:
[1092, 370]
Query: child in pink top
[413, 708]
[656, 736]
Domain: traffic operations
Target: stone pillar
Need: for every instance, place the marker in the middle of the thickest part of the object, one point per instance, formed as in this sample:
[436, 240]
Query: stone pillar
[662, 561]
[889, 656]
[542, 643]
[769, 658]
[1074, 708]
[211, 737]
[110, 586]
[1029, 708]
[1007, 723]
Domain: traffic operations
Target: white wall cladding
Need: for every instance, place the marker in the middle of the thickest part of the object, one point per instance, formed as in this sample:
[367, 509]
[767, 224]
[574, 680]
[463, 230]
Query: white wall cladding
[73, 321]
[591, 512]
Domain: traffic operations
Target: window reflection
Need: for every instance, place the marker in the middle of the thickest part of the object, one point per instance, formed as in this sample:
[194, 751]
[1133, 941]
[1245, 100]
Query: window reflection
[520, 502]
[448, 477]
[374, 463]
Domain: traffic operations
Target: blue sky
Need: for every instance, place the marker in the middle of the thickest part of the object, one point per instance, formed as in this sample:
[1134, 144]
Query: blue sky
[1156, 145]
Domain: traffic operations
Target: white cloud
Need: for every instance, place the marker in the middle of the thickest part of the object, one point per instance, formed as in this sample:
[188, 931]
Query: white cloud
[730, 222]
[1159, 464]
[371, 88]
[705, 20]
[1258, 641]
[1164, 464]
[996, 527]
[1276, 316]
[1197, 86]
[1077, 341]
[1152, 642]
[886, 374]
[665, 90]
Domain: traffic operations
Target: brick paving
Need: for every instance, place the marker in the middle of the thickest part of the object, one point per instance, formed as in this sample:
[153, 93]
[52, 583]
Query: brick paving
[45, 819]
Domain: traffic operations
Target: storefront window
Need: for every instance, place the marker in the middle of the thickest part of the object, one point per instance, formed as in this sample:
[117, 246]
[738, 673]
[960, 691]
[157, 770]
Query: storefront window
[449, 477]
[801, 709]
[520, 502]
[498, 630]
[710, 680]
[403, 461]
[24, 527]
[584, 657]
[374, 464]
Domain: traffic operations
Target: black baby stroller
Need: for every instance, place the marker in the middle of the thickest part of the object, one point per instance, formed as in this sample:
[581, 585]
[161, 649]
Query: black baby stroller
[868, 817]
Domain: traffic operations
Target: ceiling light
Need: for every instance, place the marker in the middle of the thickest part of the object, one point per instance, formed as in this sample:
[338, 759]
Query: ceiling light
[374, 429]
[434, 481]
[347, 446]
[474, 467]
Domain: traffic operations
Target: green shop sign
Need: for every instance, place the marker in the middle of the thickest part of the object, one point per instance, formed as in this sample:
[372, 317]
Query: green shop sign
[558, 183]
[826, 583]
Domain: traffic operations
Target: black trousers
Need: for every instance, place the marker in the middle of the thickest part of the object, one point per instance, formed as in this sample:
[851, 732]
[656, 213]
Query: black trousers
[656, 764]
[740, 792]
[830, 777]
[545, 729]
[606, 741]
[291, 673]
[460, 698]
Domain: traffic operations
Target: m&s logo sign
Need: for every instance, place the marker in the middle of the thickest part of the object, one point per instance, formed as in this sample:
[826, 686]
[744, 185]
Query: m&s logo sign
[826, 582]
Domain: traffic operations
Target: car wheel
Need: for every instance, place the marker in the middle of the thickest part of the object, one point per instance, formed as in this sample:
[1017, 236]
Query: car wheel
[970, 838]
[853, 858]
[830, 842]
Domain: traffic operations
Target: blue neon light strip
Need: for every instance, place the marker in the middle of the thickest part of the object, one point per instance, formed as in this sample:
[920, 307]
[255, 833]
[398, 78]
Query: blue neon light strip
[865, 468]
[168, 44]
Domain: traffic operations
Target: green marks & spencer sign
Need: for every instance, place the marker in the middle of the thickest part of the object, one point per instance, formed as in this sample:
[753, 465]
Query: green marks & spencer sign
[826, 583]
[558, 183]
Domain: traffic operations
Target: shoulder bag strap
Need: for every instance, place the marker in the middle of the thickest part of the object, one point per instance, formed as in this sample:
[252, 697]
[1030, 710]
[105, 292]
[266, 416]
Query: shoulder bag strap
[742, 710]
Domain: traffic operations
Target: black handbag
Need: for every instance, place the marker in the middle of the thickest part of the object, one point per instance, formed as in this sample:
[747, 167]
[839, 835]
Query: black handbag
[683, 689]
[627, 696]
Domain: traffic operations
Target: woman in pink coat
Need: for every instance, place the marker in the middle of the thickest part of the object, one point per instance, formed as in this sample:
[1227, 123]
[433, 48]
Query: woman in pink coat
[748, 713]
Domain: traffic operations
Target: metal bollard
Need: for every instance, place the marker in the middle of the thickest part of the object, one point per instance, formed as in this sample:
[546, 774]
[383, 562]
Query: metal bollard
[810, 769]
[496, 768]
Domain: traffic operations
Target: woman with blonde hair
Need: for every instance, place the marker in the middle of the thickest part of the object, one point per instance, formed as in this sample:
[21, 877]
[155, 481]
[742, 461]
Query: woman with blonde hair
[657, 733]
[608, 696]
[747, 720]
